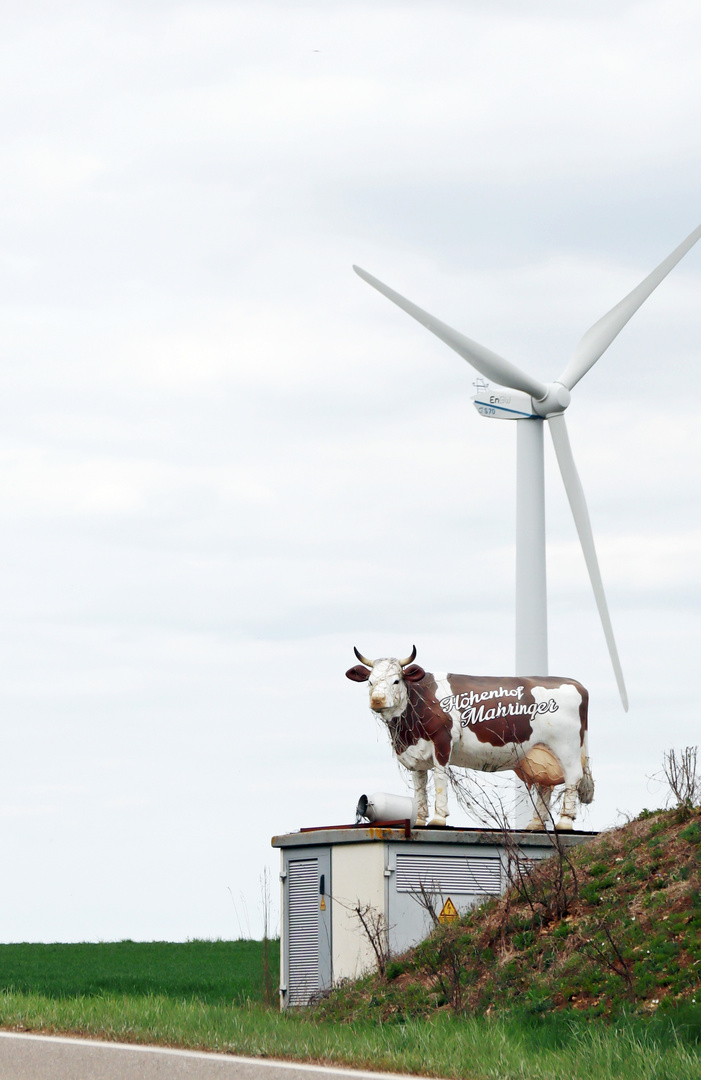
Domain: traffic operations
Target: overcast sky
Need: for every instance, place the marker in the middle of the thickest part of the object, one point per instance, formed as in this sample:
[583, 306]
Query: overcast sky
[225, 460]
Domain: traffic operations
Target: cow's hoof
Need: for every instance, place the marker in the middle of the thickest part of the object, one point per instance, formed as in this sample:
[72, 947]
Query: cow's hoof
[534, 826]
[420, 822]
[565, 824]
[437, 820]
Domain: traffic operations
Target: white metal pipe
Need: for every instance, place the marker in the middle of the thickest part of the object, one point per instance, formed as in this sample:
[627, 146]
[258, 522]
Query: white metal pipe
[381, 806]
[531, 582]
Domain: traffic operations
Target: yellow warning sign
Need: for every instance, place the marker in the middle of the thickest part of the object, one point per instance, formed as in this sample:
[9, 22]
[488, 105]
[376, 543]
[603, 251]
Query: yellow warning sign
[448, 912]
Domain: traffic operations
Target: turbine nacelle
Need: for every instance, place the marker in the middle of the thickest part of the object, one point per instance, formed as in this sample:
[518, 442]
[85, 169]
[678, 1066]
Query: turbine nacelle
[505, 403]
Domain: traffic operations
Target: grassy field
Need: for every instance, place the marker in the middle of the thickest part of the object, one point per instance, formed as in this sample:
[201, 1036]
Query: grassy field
[212, 972]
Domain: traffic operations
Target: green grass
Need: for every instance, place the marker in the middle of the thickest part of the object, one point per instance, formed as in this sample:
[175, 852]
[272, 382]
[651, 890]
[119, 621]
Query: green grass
[214, 972]
[445, 1046]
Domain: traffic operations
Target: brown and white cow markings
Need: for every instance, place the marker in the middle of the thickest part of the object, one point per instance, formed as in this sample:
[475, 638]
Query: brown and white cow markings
[423, 718]
[506, 728]
[536, 727]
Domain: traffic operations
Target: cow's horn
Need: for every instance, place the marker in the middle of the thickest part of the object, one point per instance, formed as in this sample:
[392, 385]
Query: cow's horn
[409, 659]
[363, 659]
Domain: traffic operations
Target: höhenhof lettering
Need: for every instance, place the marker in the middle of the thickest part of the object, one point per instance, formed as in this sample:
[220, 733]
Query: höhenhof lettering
[473, 710]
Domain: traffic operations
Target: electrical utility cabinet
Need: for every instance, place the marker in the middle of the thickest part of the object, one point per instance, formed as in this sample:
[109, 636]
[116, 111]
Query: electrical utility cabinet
[388, 873]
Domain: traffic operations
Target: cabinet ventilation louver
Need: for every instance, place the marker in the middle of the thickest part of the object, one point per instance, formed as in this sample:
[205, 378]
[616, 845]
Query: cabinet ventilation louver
[303, 934]
[447, 874]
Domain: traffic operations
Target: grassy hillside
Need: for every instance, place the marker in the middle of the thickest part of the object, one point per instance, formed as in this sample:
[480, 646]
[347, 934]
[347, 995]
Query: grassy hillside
[216, 972]
[616, 931]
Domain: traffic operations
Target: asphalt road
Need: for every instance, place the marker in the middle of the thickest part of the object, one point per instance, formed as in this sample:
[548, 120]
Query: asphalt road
[46, 1057]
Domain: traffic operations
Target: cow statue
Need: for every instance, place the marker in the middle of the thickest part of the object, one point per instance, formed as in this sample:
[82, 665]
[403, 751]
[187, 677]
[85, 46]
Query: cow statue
[536, 727]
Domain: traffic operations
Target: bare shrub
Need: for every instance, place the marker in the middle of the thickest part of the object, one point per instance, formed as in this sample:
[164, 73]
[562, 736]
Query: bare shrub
[376, 930]
[443, 962]
[607, 953]
[680, 772]
[428, 899]
[269, 995]
[442, 958]
[549, 886]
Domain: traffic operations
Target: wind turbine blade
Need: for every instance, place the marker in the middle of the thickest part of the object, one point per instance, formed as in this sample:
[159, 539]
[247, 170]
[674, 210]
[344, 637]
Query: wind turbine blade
[599, 336]
[575, 494]
[488, 363]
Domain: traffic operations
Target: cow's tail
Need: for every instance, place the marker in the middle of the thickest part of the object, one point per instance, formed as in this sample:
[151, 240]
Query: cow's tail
[585, 787]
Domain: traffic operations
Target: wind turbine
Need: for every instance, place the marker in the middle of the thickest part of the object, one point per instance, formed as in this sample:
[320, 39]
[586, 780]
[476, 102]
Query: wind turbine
[531, 402]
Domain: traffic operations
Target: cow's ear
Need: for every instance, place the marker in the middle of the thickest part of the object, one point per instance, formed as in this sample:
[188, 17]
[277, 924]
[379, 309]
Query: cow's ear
[413, 673]
[358, 673]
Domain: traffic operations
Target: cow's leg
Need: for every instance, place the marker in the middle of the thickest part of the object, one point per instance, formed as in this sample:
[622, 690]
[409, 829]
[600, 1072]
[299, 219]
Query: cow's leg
[570, 803]
[541, 807]
[440, 783]
[419, 777]
[569, 809]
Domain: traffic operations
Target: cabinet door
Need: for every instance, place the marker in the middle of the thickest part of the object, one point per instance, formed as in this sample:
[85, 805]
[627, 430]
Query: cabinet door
[308, 925]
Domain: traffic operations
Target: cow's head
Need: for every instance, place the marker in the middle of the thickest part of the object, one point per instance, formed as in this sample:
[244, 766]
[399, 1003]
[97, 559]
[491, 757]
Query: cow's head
[387, 678]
